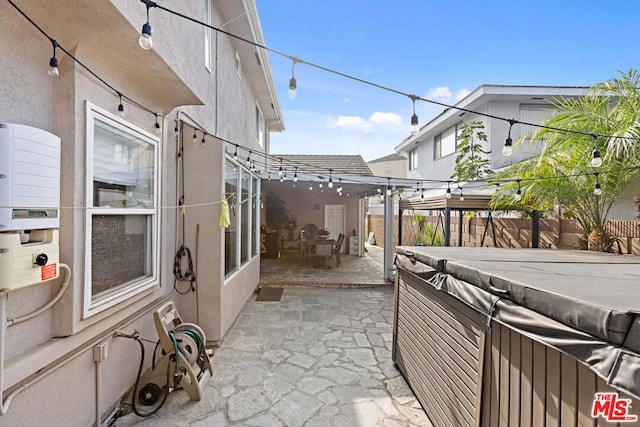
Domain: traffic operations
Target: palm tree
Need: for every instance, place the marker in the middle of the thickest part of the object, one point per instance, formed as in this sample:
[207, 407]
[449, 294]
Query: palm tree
[561, 175]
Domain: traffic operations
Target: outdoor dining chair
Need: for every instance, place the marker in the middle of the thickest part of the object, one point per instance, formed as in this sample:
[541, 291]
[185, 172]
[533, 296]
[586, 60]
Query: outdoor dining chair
[324, 252]
[337, 247]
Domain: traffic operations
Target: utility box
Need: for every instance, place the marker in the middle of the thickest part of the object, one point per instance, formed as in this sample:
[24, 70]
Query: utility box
[29, 206]
[29, 178]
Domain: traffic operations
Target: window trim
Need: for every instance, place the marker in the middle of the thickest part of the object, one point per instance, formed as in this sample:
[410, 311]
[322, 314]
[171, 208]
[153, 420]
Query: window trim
[413, 159]
[437, 142]
[260, 131]
[253, 244]
[136, 288]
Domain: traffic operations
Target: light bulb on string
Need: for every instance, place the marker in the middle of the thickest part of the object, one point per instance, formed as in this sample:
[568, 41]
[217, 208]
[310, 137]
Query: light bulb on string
[518, 196]
[295, 175]
[157, 126]
[330, 184]
[596, 159]
[195, 137]
[447, 195]
[145, 40]
[414, 117]
[389, 187]
[53, 62]
[293, 85]
[597, 190]
[120, 105]
[507, 150]
[203, 141]
[280, 171]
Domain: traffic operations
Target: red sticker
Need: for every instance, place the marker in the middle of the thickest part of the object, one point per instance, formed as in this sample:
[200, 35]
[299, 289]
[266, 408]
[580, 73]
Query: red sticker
[48, 272]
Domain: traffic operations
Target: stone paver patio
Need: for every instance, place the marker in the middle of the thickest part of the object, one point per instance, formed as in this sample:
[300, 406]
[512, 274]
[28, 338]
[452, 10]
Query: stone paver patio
[319, 357]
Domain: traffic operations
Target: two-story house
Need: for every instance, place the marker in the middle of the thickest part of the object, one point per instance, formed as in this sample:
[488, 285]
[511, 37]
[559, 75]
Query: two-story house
[142, 171]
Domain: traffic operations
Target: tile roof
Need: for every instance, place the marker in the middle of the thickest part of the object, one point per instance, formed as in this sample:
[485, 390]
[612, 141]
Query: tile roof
[388, 158]
[320, 163]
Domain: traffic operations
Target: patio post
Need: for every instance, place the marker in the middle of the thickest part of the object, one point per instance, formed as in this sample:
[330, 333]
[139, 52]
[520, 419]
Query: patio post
[535, 229]
[388, 236]
[400, 212]
[447, 226]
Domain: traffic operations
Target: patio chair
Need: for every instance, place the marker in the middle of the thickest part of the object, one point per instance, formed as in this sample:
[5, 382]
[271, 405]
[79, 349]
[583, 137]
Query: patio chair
[324, 252]
[337, 247]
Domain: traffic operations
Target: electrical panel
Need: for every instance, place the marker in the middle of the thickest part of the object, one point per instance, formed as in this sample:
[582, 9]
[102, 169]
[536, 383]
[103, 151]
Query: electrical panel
[29, 205]
[29, 178]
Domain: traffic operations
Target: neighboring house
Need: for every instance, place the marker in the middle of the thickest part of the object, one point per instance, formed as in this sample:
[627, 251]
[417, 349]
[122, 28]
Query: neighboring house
[431, 153]
[392, 165]
[120, 183]
[313, 198]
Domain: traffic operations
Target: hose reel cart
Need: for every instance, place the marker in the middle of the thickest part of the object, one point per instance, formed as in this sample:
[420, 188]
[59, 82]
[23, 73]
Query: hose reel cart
[180, 360]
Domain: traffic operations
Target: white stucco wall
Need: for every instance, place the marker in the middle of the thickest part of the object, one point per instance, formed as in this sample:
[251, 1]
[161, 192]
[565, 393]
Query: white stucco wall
[54, 351]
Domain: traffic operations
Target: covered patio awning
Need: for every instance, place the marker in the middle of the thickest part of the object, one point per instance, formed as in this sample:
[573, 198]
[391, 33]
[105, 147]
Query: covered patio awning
[471, 198]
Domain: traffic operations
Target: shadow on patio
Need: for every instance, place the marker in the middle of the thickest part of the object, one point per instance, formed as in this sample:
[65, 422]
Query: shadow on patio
[290, 269]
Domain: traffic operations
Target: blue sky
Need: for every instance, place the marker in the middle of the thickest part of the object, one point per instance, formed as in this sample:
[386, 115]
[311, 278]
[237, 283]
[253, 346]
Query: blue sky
[438, 50]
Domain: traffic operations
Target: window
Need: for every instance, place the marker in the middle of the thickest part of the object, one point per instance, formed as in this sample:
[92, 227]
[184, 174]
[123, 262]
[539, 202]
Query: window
[122, 214]
[241, 237]
[413, 159]
[446, 143]
[207, 35]
[259, 127]
[534, 113]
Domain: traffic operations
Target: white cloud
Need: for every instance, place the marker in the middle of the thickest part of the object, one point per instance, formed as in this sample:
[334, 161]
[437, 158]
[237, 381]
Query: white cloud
[440, 93]
[376, 122]
[346, 100]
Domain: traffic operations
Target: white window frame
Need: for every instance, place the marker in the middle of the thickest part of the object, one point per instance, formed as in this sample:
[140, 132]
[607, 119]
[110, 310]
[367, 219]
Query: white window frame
[413, 159]
[253, 220]
[259, 127]
[437, 142]
[124, 294]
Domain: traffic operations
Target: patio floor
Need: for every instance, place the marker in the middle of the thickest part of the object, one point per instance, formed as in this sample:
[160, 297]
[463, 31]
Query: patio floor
[290, 269]
[321, 356]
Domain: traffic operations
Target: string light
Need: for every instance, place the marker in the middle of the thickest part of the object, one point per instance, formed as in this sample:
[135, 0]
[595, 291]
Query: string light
[596, 160]
[388, 187]
[447, 195]
[120, 106]
[597, 190]
[195, 137]
[157, 125]
[507, 150]
[295, 175]
[293, 85]
[518, 195]
[145, 40]
[414, 117]
[203, 141]
[330, 184]
[280, 171]
[235, 156]
[461, 195]
[53, 62]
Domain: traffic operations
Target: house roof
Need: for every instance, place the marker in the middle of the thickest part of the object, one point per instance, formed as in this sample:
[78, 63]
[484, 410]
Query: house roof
[483, 95]
[395, 157]
[321, 164]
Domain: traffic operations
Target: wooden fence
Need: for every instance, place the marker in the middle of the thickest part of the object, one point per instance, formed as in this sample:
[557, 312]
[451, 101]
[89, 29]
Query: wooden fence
[509, 232]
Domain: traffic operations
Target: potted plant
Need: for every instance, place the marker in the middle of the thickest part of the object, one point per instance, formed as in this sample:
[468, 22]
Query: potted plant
[323, 233]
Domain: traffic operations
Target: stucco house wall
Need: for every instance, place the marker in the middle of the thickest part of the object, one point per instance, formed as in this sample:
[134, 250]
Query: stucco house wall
[50, 358]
